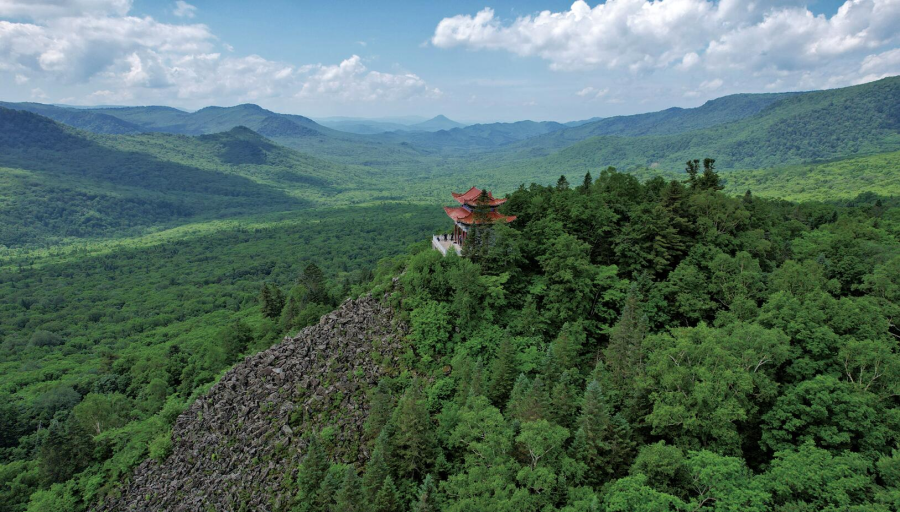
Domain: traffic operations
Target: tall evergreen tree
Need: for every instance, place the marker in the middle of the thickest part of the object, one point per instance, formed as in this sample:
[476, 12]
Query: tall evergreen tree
[413, 437]
[603, 440]
[350, 497]
[381, 406]
[311, 474]
[624, 355]
[426, 500]
[503, 373]
[387, 499]
[377, 468]
[692, 168]
[709, 180]
[586, 184]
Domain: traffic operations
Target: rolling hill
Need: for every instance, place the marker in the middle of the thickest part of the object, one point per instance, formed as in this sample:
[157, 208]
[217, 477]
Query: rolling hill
[807, 127]
[58, 182]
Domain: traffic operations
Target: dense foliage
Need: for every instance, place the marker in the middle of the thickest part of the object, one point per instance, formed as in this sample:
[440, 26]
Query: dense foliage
[642, 347]
[101, 349]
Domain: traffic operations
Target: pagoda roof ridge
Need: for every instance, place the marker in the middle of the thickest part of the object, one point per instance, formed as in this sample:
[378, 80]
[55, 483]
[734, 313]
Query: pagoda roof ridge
[470, 197]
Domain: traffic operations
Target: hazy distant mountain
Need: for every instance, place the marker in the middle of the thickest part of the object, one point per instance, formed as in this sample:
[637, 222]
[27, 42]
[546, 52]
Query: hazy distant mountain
[78, 118]
[437, 123]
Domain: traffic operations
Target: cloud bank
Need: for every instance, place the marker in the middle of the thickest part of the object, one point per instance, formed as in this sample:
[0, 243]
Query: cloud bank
[766, 39]
[126, 58]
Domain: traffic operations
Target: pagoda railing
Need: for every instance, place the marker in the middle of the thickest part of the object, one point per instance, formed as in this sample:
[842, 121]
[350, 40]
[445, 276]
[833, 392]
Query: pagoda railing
[438, 242]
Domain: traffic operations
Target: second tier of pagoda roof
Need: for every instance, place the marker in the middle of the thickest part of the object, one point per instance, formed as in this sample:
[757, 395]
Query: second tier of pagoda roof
[465, 216]
[470, 198]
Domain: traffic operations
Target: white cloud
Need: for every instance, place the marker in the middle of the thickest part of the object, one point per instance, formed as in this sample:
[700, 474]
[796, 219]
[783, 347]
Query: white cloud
[351, 80]
[711, 85]
[97, 44]
[184, 9]
[765, 37]
[46, 9]
[38, 94]
[592, 92]
[21, 79]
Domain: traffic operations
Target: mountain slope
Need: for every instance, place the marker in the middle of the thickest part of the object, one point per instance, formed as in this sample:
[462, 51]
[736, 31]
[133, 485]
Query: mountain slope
[838, 179]
[60, 183]
[821, 125]
[82, 119]
[239, 446]
[436, 123]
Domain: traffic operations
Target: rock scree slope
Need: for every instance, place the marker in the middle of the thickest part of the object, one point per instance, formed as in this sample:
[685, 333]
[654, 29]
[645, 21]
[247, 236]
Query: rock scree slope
[239, 446]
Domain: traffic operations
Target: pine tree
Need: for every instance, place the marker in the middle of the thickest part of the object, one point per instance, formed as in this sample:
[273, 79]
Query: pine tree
[413, 438]
[381, 407]
[377, 468]
[603, 441]
[425, 500]
[625, 353]
[350, 497]
[311, 474]
[533, 405]
[517, 395]
[562, 183]
[503, 373]
[564, 399]
[709, 180]
[692, 168]
[586, 184]
[272, 300]
[265, 299]
[565, 350]
[313, 279]
[387, 499]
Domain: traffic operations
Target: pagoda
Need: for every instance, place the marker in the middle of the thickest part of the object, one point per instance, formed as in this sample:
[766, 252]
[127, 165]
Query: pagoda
[472, 210]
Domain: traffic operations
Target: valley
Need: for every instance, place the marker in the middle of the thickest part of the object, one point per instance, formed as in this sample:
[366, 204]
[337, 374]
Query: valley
[150, 256]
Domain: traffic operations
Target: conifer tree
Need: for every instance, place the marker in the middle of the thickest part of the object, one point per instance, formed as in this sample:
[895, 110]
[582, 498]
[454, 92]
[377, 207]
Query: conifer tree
[625, 353]
[586, 184]
[562, 183]
[387, 499]
[709, 180]
[564, 399]
[426, 499]
[692, 168]
[313, 279]
[533, 405]
[381, 406]
[503, 373]
[311, 474]
[517, 395]
[412, 438]
[602, 441]
[350, 497]
[565, 351]
[377, 468]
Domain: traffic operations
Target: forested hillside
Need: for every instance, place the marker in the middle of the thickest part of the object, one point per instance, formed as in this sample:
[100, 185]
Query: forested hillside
[820, 125]
[62, 184]
[101, 347]
[642, 347]
[644, 339]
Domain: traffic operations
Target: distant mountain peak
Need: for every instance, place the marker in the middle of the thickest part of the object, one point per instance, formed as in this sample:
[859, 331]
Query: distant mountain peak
[436, 123]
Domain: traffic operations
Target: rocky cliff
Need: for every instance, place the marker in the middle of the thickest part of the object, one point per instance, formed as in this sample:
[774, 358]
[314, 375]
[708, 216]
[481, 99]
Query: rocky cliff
[238, 447]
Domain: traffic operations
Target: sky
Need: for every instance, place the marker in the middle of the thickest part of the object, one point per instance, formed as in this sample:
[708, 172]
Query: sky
[480, 61]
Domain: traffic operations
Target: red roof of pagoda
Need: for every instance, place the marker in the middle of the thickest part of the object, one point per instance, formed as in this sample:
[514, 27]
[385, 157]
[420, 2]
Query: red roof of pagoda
[460, 214]
[470, 197]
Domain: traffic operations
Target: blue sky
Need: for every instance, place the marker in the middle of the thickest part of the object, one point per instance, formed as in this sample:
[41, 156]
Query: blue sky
[474, 61]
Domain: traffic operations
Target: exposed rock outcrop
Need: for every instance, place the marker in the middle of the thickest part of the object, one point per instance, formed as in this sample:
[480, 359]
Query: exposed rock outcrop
[238, 447]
